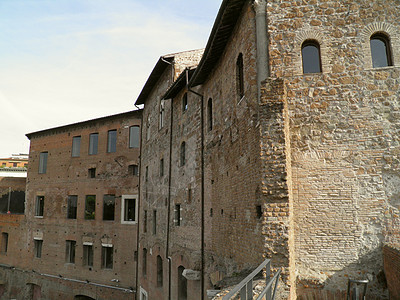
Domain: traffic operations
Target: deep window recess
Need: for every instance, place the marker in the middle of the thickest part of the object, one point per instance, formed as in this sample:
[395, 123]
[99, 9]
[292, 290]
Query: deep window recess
[90, 207]
[209, 115]
[380, 50]
[92, 173]
[43, 162]
[154, 221]
[39, 207]
[177, 214]
[182, 284]
[147, 174]
[88, 255]
[133, 170]
[107, 257]
[128, 209]
[184, 102]
[72, 206]
[240, 76]
[38, 244]
[76, 146]
[70, 252]
[311, 55]
[134, 136]
[183, 154]
[108, 207]
[161, 167]
[93, 143]
[144, 263]
[159, 271]
[112, 141]
[4, 242]
[162, 114]
[145, 221]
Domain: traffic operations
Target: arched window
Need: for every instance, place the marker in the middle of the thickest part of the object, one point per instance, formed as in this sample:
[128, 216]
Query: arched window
[183, 154]
[182, 284]
[380, 50]
[240, 76]
[209, 115]
[159, 271]
[311, 56]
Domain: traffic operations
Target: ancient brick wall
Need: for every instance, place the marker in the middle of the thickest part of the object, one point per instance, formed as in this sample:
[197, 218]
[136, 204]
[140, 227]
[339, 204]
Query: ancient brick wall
[391, 259]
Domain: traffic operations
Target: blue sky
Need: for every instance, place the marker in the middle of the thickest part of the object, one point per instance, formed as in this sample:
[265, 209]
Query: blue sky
[64, 61]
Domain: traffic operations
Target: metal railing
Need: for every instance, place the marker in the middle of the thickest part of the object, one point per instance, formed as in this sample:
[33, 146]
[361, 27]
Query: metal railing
[245, 287]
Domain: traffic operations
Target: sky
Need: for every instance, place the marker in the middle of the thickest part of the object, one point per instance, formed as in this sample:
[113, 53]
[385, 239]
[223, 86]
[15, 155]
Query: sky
[66, 61]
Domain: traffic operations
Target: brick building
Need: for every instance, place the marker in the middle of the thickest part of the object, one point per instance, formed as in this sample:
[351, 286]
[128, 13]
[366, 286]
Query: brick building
[282, 143]
[78, 239]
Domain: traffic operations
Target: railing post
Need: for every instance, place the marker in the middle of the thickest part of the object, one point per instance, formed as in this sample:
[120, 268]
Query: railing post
[267, 279]
[250, 290]
[243, 293]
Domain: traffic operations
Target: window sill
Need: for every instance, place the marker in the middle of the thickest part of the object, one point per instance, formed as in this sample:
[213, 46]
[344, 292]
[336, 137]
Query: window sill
[39, 217]
[380, 68]
[129, 222]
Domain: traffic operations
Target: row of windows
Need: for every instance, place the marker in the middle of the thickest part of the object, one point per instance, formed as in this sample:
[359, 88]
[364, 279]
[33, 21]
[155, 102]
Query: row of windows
[128, 208]
[381, 53]
[88, 253]
[134, 136]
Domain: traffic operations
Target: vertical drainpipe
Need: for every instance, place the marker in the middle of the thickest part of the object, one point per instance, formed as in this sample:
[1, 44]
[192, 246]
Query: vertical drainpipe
[263, 72]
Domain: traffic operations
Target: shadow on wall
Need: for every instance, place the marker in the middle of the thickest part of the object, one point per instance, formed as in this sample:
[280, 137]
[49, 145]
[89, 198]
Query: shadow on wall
[334, 287]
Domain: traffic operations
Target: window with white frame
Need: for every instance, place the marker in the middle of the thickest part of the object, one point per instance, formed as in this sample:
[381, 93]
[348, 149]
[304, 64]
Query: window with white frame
[128, 209]
[70, 251]
[39, 206]
[107, 256]
[38, 244]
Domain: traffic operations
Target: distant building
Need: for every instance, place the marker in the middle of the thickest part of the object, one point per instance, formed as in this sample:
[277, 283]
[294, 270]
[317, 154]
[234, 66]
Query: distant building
[14, 166]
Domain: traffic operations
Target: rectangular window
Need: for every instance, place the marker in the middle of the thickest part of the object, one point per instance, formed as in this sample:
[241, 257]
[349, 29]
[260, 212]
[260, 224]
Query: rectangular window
[178, 215]
[128, 209]
[72, 206]
[162, 114]
[154, 221]
[108, 207]
[147, 174]
[133, 170]
[144, 263]
[112, 141]
[38, 248]
[4, 242]
[70, 252]
[107, 256]
[90, 207]
[92, 173]
[43, 162]
[161, 167]
[76, 146]
[39, 206]
[88, 255]
[93, 142]
[134, 136]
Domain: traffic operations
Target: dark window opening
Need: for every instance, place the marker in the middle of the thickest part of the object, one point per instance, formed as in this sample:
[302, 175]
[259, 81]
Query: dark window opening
[92, 173]
[70, 252]
[240, 76]
[43, 162]
[39, 209]
[184, 102]
[90, 207]
[147, 174]
[183, 154]
[130, 209]
[88, 255]
[259, 211]
[4, 242]
[38, 244]
[144, 263]
[107, 257]
[178, 215]
[76, 146]
[72, 206]
[108, 207]
[182, 284]
[380, 51]
[154, 221]
[93, 143]
[134, 136]
[133, 170]
[112, 141]
[209, 115]
[145, 221]
[161, 167]
[310, 52]
[162, 114]
[159, 271]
